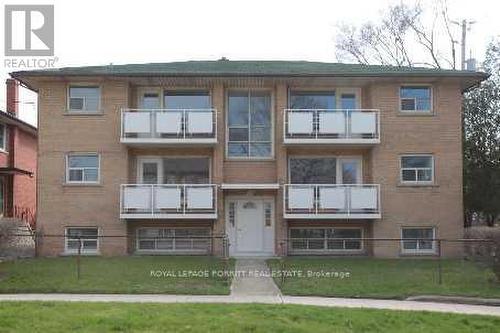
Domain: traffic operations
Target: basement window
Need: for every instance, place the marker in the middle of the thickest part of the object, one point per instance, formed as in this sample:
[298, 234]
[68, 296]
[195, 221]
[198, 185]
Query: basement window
[84, 238]
[418, 240]
[325, 239]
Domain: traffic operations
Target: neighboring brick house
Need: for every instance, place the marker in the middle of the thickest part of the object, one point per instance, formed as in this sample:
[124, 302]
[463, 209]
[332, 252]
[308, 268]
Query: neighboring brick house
[302, 157]
[18, 156]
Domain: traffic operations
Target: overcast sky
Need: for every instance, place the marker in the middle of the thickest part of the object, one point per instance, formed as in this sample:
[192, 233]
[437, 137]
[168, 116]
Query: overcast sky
[98, 32]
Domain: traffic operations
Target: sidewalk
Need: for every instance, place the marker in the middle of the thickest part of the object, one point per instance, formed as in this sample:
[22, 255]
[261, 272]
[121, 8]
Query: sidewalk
[255, 279]
[318, 301]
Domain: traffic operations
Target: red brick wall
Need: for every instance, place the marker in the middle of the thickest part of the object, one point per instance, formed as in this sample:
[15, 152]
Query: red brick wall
[25, 158]
[4, 159]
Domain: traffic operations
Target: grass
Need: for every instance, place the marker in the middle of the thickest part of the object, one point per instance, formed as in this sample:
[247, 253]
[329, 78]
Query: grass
[386, 278]
[113, 275]
[120, 317]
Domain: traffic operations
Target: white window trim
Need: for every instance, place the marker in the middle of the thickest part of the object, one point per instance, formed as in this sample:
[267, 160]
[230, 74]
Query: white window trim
[419, 251]
[416, 181]
[5, 138]
[338, 168]
[252, 158]
[361, 249]
[83, 182]
[431, 97]
[83, 251]
[172, 250]
[69, 110]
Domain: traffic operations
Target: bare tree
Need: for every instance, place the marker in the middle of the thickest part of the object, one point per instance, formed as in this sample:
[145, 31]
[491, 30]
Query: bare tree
[404, 36]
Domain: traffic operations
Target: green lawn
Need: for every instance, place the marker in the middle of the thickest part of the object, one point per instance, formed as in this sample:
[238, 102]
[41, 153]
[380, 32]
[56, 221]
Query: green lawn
[120, 317]
[386, 278]
[114, 275]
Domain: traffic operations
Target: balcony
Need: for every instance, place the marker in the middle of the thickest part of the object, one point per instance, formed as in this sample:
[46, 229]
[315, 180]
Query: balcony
[168, 126]
[315, 126]
[332, 201]
[168, 201]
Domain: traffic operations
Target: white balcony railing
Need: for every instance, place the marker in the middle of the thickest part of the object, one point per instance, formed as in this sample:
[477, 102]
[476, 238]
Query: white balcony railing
[169, 126]
[337, 201]
[331, 126]
[168, 201]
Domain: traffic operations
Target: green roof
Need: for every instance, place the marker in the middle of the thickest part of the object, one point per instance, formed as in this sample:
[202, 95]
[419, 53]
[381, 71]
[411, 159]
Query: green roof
[247, 68]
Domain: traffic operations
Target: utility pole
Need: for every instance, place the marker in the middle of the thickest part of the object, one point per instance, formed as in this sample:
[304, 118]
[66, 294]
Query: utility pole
[464, 36]
[465, 25]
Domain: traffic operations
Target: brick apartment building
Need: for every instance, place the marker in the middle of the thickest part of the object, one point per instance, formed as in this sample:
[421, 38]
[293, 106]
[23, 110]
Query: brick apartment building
[18, 150]
[295, 157]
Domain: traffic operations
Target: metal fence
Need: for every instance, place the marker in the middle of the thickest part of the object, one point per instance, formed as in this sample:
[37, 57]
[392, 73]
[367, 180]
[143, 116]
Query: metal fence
[414, 265]
[439, 257]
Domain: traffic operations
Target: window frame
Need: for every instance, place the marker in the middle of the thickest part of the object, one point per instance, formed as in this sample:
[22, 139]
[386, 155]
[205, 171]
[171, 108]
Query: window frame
[416, 111]
[418, 251]
[84, 251]
[160, 91]
[338, 91]
[325, 239]
[338, 165]
[4, 131]
[69, 110]
[173, 250]
[272, 134]
[159, 159]
[83, 181]
[141, 91]
[416, 181]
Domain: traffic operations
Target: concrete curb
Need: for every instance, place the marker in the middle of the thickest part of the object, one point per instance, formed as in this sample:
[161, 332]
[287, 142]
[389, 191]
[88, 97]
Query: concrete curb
[456, 300]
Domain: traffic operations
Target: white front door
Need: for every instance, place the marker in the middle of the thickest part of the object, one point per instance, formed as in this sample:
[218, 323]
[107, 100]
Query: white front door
[250, 226]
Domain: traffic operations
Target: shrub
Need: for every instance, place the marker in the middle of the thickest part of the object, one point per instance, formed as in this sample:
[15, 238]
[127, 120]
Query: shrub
[487, 251]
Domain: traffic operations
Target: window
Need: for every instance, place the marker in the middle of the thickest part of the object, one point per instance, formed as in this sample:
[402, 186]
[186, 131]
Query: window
[186, 170]
[232, 213]
[312, 100]
[84, 99]
[326, 239]
[323, 100]
[313, 170]
[174, 170]
[417, 169]
[418, 240]
[173, 239]
[416, 98]
[3, 137]
[325, 170]
[86, 237]
[348, 101]
[150, 100]
[268, 217]
[187, 100]
[82, 168]
[249, 125]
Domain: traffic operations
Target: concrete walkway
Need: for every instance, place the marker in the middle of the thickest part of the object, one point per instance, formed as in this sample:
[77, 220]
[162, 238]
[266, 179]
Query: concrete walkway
[318, 301]
[253, 278]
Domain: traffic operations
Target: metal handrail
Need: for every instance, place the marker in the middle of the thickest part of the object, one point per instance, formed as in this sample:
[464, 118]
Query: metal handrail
[315, 130]
[183, 197]
[185, 115]
[316, 209]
